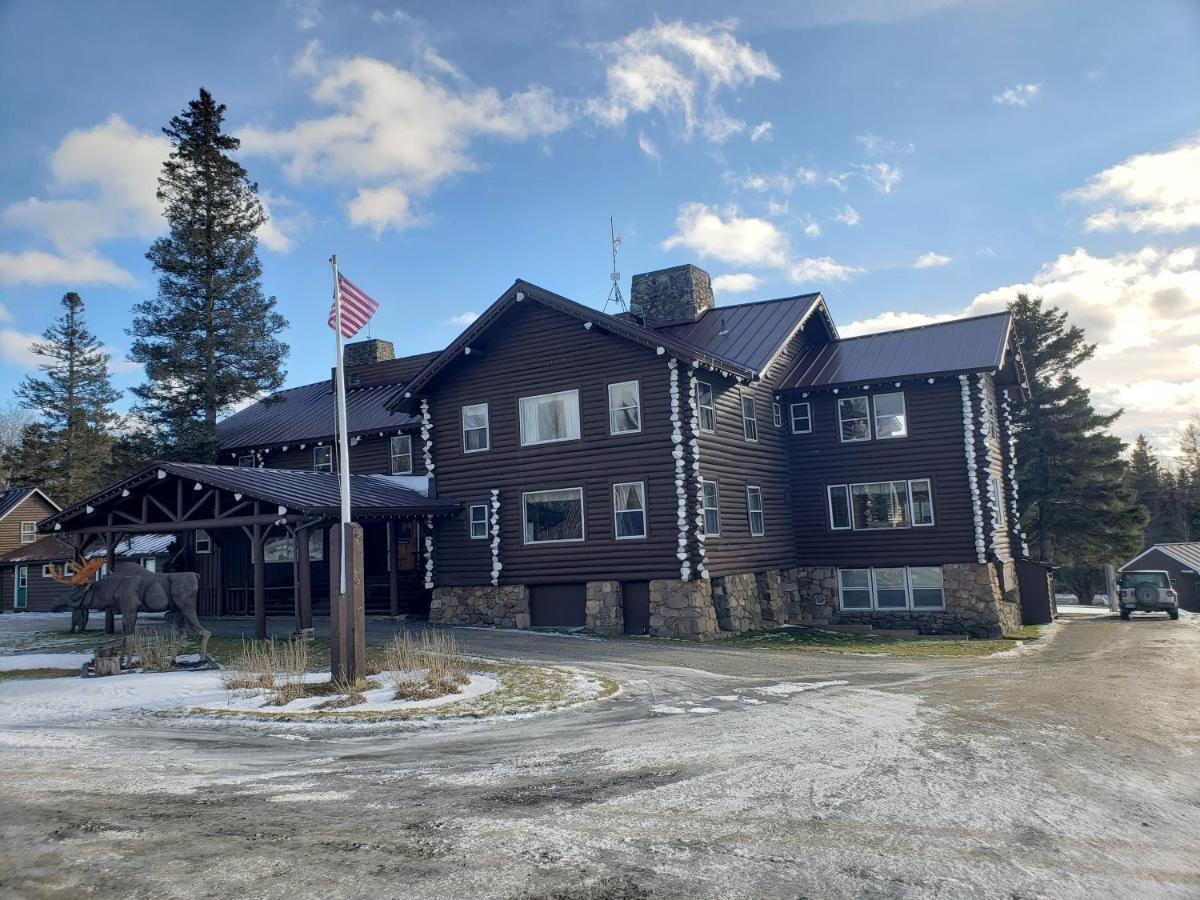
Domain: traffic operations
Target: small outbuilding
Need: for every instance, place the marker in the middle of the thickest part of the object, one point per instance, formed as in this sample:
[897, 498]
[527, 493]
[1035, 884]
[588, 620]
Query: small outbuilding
[1181, 561]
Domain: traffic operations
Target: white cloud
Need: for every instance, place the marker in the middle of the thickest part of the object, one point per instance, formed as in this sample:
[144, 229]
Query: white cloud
[736, 283]
[677, 69]
[307, 13]
[874, 145]
[463, 319]
[728, 236]
[1018, 95]
[885, 177]
[891, 321]
[37, 267]
[648, 146]
[14, 348]
[783, 182]
[1147, 192]
[763, 131]
[812, 230]
[777, 207]
[848, 216]
[395, 133]
[931, 260]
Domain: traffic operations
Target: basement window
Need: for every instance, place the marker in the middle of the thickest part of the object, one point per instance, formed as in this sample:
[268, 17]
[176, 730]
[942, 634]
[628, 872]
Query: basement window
[890, 588]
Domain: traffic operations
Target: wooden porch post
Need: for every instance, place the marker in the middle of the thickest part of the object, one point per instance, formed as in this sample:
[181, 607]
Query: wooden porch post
[218, 565]
[303, 581]
[347, 638]
[393, 575]
[110, 621]
[260, 594]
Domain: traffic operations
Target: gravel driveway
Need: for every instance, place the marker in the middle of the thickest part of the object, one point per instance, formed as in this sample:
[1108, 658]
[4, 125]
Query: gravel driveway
[1070, 771]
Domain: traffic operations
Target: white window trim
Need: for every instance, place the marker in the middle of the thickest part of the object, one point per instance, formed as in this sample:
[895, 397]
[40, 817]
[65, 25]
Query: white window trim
[752, 419]
[908, 483]
[246, 456]
[808, 410]
[700, 407]
[487, 428]
[46, 570]
[996, 495]
[471, 522]
[315, 468]
[849, 508]
[704, 482]
[873, 590]
[207, 539]
[645, 516]
[392, 454]
[521, 430]
[869, 589]
[776, 413]
[912, 506]
[841, 432]
[637, 392]
[750, 511]
[582, 516]
[875, 416]
[29, 536]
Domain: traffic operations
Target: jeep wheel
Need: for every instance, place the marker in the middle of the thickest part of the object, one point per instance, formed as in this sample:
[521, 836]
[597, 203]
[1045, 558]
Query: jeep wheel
[1174, 614]
[1125, 615]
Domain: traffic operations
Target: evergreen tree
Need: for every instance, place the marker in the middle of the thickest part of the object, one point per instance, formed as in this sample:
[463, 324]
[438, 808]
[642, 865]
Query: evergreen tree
[209, 339]
[1144, 478]
[1188, 480]
[1079, 511]
[66, 451]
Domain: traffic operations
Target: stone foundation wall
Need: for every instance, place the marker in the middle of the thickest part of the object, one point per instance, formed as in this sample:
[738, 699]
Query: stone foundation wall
[683, 609]
[605, 614]
[505, 606]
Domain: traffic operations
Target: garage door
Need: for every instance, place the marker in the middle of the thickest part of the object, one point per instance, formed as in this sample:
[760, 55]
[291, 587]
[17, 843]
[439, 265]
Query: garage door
[557, 604]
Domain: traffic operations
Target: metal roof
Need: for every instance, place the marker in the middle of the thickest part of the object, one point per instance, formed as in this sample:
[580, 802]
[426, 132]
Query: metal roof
[53, 549]
[750, 334]
[12, 497]
[1186, 553]
[976, 344]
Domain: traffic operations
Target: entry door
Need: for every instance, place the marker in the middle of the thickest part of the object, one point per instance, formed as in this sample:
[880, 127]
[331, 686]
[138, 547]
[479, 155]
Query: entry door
[635, 600]
[21, 595]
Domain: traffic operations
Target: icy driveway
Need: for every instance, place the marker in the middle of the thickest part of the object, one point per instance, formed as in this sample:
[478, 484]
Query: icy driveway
[1071, 772]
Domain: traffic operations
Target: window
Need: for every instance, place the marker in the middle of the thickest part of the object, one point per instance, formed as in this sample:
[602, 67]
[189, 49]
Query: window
[801, 418]
[279, 550]
[553, 516]
[316, 545]
[202, 542]
[704, 402]
[988, 413]
[891, 588]
[149, 563]
[400, 451]
[920, 496]
[477, 434]
[712, 509]
[839, 507]
[624, 408]
[46, 570]
[855, 588]
[996, 496]
[926, 584]
[755, 509]
[28, 532]
[629, 508]
[478, 526]
[247, 462]
[854, 420]
[749, 423]
[777, 413]
[550, 417]
[890, 421]
[322, 459]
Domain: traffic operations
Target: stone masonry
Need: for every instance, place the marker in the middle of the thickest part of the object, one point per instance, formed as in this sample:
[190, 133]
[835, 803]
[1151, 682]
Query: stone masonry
[683, 609]
[678, 294]
[505, 606]
[605, 614]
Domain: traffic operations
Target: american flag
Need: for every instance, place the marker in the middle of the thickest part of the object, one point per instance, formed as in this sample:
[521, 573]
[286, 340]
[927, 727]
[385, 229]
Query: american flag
[357, 308]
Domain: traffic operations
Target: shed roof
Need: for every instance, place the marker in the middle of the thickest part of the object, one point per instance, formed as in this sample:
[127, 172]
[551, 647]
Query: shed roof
[1186, 553]
[11, 498]
[975, 344]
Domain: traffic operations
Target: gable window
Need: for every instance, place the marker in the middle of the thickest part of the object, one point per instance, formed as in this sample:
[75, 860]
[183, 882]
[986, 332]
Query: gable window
[854, 419]
[322, 459]
[477, 433]
[629, 508]
[890, 420]
[995, 495]
[749, 423]
[920, 496]
[880, 504]
[400, 451]
[247, 461]
[704, 403]
[478, 528]
[712, 509]
[553, 516]
[28, 532]
[754, 507]
[839, 507]
[889, 588]
[550, 417]
[801, 418]
[777, 413]
[202, 542]
[624, 408]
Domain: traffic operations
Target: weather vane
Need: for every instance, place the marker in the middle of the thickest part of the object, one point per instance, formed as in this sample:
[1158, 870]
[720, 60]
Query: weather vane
[614, 293]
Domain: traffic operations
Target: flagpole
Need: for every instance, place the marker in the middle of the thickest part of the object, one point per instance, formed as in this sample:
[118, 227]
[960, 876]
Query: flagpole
[343, 442]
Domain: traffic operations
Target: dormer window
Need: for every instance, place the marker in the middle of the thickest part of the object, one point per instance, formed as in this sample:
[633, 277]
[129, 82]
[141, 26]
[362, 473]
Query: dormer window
[247, 461]
[322, 459]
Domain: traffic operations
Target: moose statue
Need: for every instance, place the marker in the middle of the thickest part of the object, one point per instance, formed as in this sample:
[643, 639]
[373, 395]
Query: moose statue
[130, 589]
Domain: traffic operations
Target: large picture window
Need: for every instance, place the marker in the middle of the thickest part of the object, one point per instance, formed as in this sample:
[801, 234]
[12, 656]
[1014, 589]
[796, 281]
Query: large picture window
[704, 403]
[553, 516]
[712, 509]
[754, 509]
[854, 419]
[629, 509]
[322, 459]
[550, 417]
[890, 420]
[624, 408]
[400, 451]
[476, 430]
[888, 588]
[880, 504]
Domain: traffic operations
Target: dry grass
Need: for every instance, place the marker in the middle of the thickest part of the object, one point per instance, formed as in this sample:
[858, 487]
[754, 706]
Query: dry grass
[425, 669]
[156, 648]
[276, 666]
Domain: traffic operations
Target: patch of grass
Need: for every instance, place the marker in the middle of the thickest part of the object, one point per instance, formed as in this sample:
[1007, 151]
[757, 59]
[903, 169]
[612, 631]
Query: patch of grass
[798, 638]
[1025, 633]
[156, 648]
[18, 674]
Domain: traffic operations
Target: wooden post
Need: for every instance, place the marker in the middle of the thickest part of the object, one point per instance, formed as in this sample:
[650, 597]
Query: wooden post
[218, 569]
[260, 594]
[110, 619]
[346, 623]
[393, 574]
[303, 581]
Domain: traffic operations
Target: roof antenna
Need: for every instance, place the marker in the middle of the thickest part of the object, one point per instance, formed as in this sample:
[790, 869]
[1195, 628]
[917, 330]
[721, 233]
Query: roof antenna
[614, 294]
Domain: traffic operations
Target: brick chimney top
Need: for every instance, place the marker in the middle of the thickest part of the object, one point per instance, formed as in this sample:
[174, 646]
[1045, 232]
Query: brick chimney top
[668, 296]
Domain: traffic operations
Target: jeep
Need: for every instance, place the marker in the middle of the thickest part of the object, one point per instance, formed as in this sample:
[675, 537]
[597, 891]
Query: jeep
[1148, 591]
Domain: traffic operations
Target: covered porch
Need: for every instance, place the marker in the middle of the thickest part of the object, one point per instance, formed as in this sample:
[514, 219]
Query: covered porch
[259, 538]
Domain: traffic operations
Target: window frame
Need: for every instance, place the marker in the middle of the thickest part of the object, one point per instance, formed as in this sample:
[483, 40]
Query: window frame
[637, 393]
[617, 512]
[521, 418]
[777, 413]
[996, 495]
[715, 508]
[582, 517]
[196, 541]
[842, 590]
[46, 569]
[242, 464]
[749, 423]
[911, 522]
[875, 415]
[842, 420]
[29, 536]
[910, 603]
[486, 429]
[317, 467]
[392, 454]
[710, 408]
[912, 505]
[807, 415]
[849, 526]
[471, 523]
[755, 490]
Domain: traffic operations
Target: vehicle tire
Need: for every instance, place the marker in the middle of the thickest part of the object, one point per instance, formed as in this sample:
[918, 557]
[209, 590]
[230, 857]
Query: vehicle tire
[1174, 614]
[1125, 615]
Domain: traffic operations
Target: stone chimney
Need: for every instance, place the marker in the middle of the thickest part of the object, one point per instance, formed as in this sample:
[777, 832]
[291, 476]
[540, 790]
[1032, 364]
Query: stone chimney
[372, 350]
[679, 294]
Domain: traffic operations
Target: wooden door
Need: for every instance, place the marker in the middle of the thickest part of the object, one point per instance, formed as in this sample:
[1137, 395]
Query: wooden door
[635, 603]
[21, 594]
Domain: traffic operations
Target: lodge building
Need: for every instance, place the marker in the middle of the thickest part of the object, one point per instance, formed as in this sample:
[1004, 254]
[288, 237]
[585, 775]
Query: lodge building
[681, 469]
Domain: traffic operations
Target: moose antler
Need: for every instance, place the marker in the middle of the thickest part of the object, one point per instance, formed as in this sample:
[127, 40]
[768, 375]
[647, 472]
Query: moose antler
[82, 572]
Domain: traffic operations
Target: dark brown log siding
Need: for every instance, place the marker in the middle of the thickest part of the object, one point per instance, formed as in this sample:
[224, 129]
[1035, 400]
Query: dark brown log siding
[538, 351]
[32, 509]
[371, 456]
[44, 594]
[933, 449]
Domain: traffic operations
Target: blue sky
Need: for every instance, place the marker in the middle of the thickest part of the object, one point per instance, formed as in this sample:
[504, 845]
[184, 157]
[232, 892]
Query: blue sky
[911, 160]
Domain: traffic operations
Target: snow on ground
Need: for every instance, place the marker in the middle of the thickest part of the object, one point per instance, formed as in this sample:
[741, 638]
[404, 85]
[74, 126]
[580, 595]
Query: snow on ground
[378, 698]
[21, 661]
[787, 688]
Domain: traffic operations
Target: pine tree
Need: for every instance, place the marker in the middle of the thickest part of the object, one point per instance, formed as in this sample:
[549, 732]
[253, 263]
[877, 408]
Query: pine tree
[1188, 480]
[209, 339]
[66, 451]
[1144, 478]
[1079, 511]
